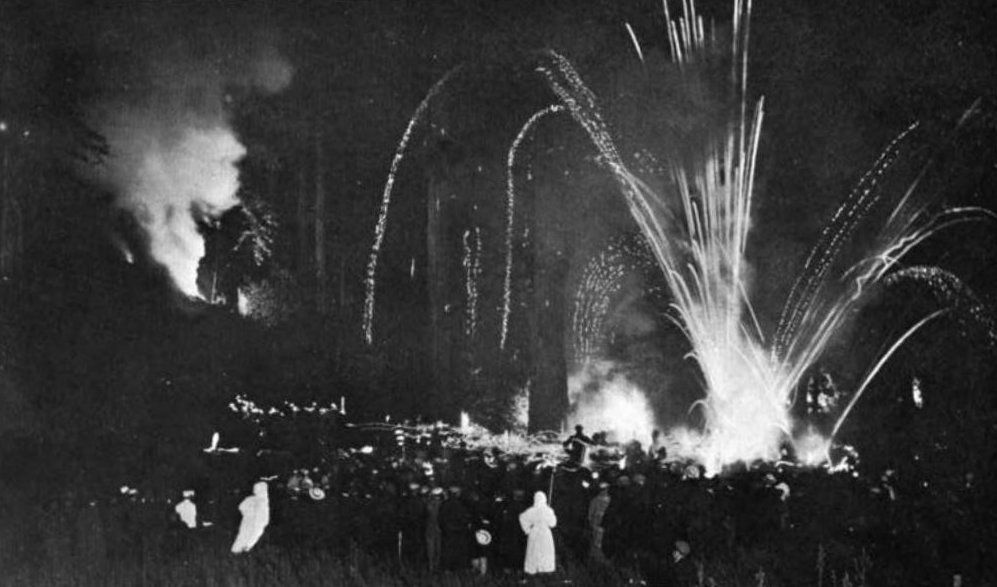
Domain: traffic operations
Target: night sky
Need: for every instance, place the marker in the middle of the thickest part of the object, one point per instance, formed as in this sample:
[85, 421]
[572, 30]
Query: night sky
[99, 344]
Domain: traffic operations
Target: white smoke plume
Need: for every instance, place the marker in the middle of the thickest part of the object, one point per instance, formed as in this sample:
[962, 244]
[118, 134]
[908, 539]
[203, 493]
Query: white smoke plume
[173, 153]
[603, 399]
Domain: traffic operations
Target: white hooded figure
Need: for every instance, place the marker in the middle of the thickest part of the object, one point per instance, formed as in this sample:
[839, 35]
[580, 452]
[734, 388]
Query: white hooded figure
[536, 523]
[186, 510]
[255, 511]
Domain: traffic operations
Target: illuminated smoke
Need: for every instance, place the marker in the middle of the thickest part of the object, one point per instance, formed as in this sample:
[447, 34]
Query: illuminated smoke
[603, 400]
[173, 153]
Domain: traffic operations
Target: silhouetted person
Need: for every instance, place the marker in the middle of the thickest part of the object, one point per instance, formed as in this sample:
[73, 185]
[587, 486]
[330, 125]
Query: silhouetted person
[596, 515]
[412, 511]
[577, 444]
[455, 521]
[512, 541]
[433, 534]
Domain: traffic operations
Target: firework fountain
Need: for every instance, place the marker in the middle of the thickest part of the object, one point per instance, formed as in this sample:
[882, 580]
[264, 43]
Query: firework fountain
[697, 226]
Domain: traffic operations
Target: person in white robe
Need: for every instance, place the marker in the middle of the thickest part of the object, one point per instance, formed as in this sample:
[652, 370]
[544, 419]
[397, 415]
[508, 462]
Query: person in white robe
[537, 522]
[186, 510]
[255, 511]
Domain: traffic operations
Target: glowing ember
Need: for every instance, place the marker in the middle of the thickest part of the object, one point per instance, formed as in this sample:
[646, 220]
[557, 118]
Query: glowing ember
[812, 448]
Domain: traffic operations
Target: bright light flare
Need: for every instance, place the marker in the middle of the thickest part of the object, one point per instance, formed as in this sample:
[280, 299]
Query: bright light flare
[603, 400]
[812, 448]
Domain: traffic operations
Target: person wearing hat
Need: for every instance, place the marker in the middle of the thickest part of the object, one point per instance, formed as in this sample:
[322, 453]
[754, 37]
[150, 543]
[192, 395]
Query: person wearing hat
[481, 515]
[537, 523]
[681, 571]
[596, 514]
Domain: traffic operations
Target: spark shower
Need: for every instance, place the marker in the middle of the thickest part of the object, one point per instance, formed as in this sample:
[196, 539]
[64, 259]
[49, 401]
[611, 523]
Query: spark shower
[697, 227]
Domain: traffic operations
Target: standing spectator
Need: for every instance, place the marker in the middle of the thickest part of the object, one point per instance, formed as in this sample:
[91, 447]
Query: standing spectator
[433, 534]
[455, 521]
[537, 523]
[481, 515]
[255, 511]
[577, 445]
[186, 510]
[512, 541]
[412, 512]
[596, 514]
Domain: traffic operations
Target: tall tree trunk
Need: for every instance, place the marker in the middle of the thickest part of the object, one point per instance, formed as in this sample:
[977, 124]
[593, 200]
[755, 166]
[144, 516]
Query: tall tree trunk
[321, 273]
[549, 390]
[435, 284]
[303, 224]
[11, 223]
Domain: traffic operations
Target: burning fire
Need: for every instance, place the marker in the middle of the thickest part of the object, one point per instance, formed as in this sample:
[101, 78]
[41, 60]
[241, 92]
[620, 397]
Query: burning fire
[605, 400]
[173, 153]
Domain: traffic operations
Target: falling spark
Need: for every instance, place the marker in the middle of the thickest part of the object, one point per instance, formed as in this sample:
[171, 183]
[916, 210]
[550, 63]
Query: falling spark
[510, 209]
[879, 364]
[601, 281]
[472, 273]
[967, 308]
[633, 38]
[382, 218]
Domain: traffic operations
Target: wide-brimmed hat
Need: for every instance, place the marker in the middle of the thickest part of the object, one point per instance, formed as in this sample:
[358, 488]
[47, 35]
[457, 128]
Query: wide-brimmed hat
[316, 493]
[483, 537]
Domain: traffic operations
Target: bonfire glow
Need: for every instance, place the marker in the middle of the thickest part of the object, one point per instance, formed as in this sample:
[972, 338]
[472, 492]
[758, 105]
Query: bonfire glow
[605, 400]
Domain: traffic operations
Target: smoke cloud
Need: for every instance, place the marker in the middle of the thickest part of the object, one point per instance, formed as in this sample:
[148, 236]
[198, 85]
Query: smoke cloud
[173, 153]
[604, 399]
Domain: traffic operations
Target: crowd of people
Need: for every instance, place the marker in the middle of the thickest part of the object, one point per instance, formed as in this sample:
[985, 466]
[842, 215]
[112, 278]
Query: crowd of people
[434, 502]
